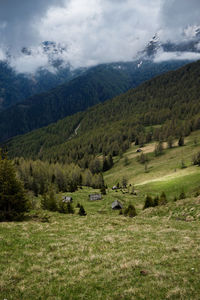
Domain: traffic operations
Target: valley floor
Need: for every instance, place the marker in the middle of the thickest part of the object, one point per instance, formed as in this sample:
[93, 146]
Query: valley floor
[155, 255]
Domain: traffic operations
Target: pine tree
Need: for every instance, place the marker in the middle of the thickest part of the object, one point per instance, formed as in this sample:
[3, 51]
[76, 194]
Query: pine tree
[170, 142]
[70, 209]
[163, 199]
[103, 190]
[82, 211]
[156, 201]
[148, 202]
[130, 211]
[13, 201]
[181, 141]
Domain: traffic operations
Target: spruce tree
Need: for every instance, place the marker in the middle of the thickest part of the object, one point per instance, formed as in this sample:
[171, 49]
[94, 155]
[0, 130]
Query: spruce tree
[103, 190]
[70, 209]
[148, 202]
[163, 199]
[181, 141]
[82, 211]
[13, 201]
[130, 211]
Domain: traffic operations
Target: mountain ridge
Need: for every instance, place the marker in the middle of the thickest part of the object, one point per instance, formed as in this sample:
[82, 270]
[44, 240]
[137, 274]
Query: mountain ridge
[170, 100]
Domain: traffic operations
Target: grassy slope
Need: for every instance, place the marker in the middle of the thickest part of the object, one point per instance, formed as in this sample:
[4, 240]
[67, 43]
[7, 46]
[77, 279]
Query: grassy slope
[164, 172]
[101, 256]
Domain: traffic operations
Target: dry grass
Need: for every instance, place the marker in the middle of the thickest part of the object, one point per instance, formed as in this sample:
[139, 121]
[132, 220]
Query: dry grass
[152, 256]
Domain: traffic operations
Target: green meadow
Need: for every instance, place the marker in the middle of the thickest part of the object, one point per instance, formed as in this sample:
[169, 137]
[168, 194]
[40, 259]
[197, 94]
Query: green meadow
[105, 255]
[171, 172]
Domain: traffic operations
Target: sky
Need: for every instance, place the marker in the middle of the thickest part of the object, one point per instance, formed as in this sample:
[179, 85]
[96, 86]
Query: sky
[91, 31]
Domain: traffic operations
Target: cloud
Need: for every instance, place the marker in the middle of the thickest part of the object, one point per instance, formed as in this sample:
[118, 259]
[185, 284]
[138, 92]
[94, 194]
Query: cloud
[19, 21]
[166, 56]
[30, 64]
[177, 15]
[93, 31]
[101, 31]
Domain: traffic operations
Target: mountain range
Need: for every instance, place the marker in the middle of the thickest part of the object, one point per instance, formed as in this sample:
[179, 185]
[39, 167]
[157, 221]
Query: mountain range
[31, 101]
[163, 107]
[94, 86]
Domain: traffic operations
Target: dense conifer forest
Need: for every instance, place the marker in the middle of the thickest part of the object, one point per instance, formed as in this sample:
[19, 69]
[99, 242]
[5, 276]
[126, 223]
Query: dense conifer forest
[160, 109]
[94, 86]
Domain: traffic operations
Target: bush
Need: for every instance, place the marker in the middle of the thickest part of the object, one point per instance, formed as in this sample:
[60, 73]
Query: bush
[82, 211]
[148, 202]
[182, 195]
[196, 159]
[181, 141]
[130, 211]
[156, 201]
[65, 208]
[163, 199]
[49, 202]
[103, 190]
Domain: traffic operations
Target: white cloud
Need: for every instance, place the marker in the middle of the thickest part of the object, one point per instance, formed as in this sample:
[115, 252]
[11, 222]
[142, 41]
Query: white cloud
[30, 64]
[166, 56]
[100, 31]
[94, 31]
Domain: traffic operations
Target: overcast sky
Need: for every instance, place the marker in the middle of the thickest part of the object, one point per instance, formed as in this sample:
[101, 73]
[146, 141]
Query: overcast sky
[95, 31]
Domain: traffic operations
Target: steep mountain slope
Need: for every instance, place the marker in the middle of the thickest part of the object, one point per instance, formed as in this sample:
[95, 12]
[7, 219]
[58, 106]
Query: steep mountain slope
[171, 99]
[94, 86]
[16, 87]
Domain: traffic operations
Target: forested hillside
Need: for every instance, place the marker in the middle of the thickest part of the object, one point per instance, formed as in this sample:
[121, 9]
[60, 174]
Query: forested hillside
[93, 86]
[170, 101]
[16, 87]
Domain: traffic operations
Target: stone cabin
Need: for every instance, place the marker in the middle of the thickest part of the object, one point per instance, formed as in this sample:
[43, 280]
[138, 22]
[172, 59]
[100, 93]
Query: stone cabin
[94, 197]
[116, 205]
[67, 199]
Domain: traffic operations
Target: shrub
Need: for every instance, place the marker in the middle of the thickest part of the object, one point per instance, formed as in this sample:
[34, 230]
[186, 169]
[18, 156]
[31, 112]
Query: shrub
[163, 199]
[148, 202]
[49, 202]
[182, 195]
[130, 211]
[82, 211]
[156, 201]
[103, 190]
[196, 159]
[181, 141]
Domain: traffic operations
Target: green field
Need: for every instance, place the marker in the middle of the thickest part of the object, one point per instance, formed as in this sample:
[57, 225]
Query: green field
[164, 173]
[155, 255]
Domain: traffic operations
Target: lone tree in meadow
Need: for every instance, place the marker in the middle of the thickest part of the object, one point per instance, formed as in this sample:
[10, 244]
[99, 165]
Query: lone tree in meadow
[82, 211]
[163, 199]
[13, 201]
[181, 141]
[130, 211]
[148, 202]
